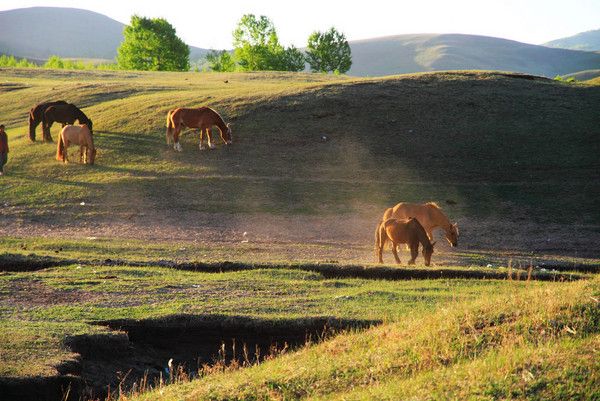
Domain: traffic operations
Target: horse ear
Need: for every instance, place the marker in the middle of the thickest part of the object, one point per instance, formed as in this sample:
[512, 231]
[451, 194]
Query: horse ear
[433, 243]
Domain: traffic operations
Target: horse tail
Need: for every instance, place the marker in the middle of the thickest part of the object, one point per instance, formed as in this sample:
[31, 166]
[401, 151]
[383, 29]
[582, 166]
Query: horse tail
[170, 125]
[378, 238]
[60, 148]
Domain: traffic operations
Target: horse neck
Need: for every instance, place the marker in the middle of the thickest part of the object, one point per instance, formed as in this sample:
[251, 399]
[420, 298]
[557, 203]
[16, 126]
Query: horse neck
[82, 117]
[422, 236]
[440, 219]
[219, 122]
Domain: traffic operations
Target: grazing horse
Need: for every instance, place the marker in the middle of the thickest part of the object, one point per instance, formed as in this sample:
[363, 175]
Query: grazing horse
[64, 114]
[202, 118]
[429, 214]
[408, 231]
[36, 115]
[76, 135]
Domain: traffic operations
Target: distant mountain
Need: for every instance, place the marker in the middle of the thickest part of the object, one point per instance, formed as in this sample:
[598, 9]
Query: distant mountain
[436, 52]
[589, 41]
[40, 32]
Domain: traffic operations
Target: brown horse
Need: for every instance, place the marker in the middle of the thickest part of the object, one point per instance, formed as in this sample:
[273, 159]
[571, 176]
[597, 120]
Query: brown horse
[76, 135]
[429, 214]
[408, 231]
[36, 115]
[64, 114]
[202, 118]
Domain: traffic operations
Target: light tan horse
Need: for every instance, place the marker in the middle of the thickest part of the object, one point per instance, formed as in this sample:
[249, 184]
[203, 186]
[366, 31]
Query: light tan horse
[202, 118]
[430, 216]
[407, 231]
[76, 135]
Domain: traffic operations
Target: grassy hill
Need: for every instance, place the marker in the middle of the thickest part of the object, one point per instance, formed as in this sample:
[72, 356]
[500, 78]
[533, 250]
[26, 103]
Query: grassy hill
[438, 52]
[314, 162]
[588, 41]
[39, 32]
[497, 147]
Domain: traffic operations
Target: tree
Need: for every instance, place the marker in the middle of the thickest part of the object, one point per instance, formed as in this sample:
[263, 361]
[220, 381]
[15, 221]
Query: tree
[220, 61]
[152, 44]
[328, 52]
[257, 47]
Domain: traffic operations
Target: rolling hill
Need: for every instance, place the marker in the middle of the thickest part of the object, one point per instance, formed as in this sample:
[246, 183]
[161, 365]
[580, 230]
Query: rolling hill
[39, 32]
[588, 41]
[442, 52]
[499, 146]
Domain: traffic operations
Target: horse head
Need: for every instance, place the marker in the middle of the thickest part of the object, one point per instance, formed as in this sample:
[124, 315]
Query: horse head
[452, 234]
[427, 252]
[227, 134]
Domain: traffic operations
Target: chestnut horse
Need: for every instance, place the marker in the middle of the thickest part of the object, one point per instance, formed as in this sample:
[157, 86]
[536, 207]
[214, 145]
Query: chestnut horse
[76, 135]
[408, 231]
[202, 118]
[64, 114]
[36, 115]
[429, 214]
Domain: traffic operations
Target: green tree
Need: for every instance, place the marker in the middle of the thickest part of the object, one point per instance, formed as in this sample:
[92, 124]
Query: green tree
[328, 52]
[257, 47]
[152, 44]
[220, 61]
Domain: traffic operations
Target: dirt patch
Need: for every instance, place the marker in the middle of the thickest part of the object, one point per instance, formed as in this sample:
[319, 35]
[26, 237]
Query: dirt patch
[27, 293]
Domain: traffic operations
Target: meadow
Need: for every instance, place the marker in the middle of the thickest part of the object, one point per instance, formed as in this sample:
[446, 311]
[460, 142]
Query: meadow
[271, 239]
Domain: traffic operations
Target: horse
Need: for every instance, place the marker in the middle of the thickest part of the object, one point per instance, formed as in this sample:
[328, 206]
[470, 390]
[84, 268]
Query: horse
[429, 214]
[203, 118]
[64, 114]
[408, 231]
[36, 115]
[77, 135]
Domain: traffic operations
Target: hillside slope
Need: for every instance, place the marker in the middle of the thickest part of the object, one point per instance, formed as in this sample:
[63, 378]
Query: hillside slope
[39, 32]
[500, 147]
[440, 52]
[588, 41]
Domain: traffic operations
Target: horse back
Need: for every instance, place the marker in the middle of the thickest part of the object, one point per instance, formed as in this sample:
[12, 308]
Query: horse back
[406, 210]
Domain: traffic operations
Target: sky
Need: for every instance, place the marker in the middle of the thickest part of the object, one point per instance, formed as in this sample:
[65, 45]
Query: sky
[209, 24]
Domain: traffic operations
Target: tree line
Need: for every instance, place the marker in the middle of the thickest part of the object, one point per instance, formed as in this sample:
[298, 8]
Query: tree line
[152, 44]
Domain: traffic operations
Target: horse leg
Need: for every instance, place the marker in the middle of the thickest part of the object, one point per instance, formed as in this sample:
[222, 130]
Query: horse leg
[47, 136]
[81, 149]
[66, 151]
[201, 132]
[176, 144]
[414, 252]
[209, 135]
[395, 252]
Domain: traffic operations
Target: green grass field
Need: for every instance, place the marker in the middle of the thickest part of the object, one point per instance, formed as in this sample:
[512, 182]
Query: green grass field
[315, 161]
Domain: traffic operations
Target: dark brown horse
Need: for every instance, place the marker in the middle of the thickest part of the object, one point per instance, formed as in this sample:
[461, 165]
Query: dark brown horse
[66, 114]
[36, 115]
[202, 118]
[409, 232]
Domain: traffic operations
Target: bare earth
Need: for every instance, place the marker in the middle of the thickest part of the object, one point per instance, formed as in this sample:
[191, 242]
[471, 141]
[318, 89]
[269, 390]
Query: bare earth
[345, 238]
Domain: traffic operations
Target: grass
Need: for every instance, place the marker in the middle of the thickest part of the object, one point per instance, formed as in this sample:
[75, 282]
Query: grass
[538, 343]
[46, 306]
[279, 164]
[499, 148]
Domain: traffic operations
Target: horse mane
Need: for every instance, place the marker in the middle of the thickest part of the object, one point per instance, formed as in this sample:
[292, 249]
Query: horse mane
[433, 205]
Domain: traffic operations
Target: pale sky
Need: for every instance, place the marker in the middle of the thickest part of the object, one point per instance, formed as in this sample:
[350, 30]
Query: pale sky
[209, 24]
